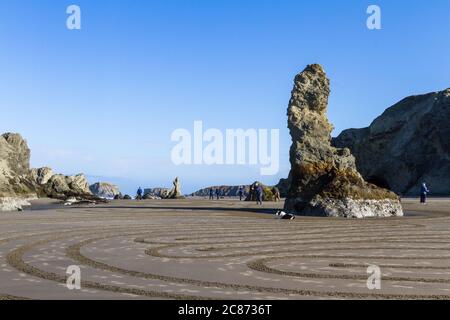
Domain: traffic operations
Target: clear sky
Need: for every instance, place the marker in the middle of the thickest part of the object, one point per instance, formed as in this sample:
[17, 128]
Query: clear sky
[105, 99]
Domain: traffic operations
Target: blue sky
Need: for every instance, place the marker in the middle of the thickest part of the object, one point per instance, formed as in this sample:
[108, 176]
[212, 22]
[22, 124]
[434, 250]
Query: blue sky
[104, 100]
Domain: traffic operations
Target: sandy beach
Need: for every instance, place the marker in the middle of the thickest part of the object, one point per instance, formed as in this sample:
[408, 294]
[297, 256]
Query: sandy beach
[201, 249]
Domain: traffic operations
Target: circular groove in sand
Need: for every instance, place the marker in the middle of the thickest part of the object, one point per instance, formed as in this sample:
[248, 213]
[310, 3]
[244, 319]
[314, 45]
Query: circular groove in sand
[74, 253]
[231, 231]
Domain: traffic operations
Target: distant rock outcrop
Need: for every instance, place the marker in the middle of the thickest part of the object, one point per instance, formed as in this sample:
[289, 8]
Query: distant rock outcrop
[175, 192]
[224, 191]
[152, 193]
[104, 190]
[324, 179]
[405, 146]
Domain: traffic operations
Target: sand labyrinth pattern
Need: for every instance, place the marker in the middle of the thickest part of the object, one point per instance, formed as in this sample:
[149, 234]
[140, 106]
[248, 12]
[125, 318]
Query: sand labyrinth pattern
[206, 254]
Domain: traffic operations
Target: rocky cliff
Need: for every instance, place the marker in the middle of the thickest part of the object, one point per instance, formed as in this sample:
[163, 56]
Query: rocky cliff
[15, 185]
[405, 146]
[324, 179]
[18, 182]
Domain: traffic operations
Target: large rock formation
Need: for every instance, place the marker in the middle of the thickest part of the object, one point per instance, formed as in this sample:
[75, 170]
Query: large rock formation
[61, 187]
[104, 190]
[325, 181]
[15, 185]
[407, 145]
[18, 182]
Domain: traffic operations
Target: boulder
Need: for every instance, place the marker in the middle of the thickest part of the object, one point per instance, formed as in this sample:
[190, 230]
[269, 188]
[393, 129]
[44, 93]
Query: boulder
[118, 196]
[104, 190]
[407, 145]
[324, 179]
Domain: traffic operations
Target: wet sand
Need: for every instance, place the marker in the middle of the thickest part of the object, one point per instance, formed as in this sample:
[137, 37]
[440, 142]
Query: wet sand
[226, 249]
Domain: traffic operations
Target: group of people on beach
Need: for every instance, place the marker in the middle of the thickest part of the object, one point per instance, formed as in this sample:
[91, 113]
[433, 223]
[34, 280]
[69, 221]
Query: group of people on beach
[258, 191]
[217, 193]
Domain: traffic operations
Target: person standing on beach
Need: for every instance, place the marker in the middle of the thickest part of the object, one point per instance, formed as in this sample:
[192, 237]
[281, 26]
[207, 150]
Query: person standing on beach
[211, 194]
[217, 193]
[139, 194]
[276, 194]
[259, 194]
[423, 193]
[241, 193]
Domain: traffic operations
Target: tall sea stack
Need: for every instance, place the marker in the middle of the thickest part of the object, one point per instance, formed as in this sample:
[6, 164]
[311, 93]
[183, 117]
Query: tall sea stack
[324, 179]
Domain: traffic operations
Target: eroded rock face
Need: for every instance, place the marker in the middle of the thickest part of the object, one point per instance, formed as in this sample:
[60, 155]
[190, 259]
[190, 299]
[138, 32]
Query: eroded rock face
[18, 182]
[42, 175]
[154, 193]
[104, 190]
[15, 185]
[407, 145]
[175, 192]
[324, 179]
[15, 153]
[60, 186]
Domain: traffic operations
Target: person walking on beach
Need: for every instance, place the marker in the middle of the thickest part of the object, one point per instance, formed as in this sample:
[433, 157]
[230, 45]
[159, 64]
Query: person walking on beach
[259, 194]
[423, 193]
[139, 194]
[211, 194]
[241, 193]
[218, 193]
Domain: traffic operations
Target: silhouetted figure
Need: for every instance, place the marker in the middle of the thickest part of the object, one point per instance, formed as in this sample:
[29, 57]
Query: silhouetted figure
[241, 193]
[218, 194]
[276, 194]
[259, 194]
[211, 194]
[139, 194]
[423, 193]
